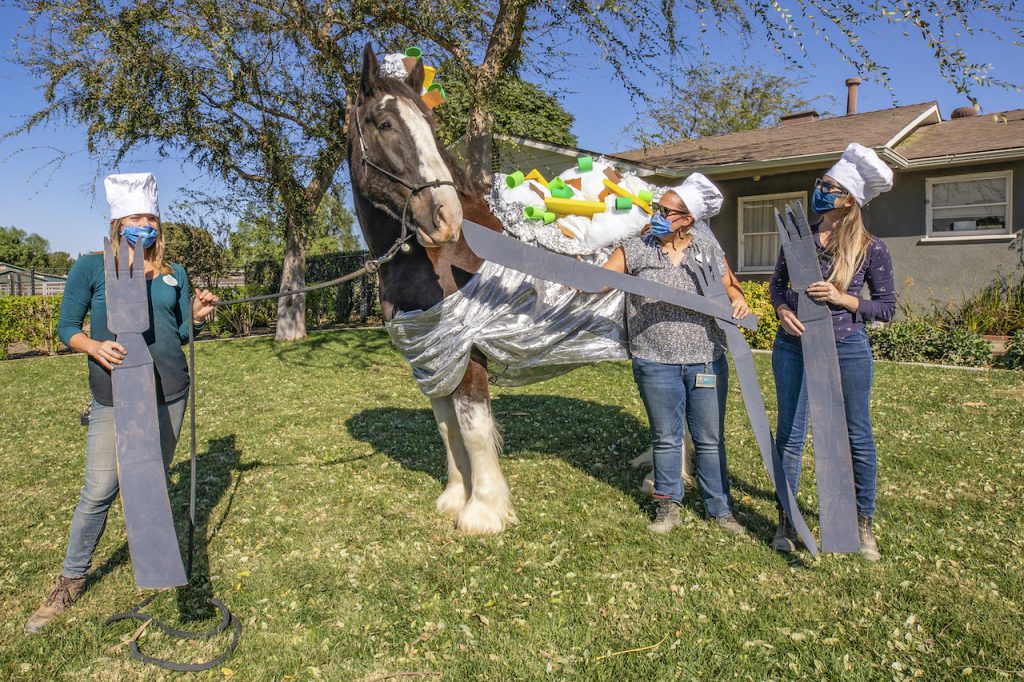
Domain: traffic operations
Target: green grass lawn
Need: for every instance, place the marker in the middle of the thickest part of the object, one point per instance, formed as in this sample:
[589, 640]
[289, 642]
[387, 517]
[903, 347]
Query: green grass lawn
[319, 465]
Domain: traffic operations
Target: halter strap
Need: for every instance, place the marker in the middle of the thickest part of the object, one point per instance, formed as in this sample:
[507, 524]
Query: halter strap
[434, 184]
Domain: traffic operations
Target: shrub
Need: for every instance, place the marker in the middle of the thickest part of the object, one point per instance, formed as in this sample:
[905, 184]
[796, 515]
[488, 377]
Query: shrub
[915, 341]
[31, 320]
[242, 318]
[760, 304]
[1014, 358]
[911, 341]
[957, 345]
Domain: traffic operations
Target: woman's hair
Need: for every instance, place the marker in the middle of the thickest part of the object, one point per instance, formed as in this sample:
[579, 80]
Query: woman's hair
[154, 254]
[847, 246]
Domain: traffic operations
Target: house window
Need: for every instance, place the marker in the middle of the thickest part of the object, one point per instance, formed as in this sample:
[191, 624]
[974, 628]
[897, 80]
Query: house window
[969, 205]
[758, 235]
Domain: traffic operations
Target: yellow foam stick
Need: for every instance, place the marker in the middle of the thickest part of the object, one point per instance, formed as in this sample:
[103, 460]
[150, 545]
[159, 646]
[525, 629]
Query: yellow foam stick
[428, 76]
[534, 174]
[573, 206]
[623, 192]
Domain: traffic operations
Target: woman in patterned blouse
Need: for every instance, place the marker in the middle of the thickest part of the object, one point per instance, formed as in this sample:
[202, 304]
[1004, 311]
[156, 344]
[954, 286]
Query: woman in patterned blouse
[679, 360]
[850, 258]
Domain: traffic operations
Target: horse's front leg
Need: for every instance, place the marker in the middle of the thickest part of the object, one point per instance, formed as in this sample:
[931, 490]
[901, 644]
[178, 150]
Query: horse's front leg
[489, 507]
[456, 492]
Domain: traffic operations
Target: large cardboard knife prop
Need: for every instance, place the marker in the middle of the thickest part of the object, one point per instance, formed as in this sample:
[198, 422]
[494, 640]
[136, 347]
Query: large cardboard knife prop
[554, 267]
[152, 540]
[712, 287]
[833, 464]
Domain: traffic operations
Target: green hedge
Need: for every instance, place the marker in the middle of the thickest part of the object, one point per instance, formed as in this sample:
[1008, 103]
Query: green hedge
[760, 304]
[31, 320]
[917, 341]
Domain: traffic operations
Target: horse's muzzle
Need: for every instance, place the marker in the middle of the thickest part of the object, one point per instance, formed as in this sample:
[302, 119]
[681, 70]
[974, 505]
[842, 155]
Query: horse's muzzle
[445, 220]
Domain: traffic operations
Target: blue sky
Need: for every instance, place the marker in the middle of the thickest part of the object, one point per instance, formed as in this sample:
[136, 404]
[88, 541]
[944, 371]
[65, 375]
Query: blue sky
[64, 203]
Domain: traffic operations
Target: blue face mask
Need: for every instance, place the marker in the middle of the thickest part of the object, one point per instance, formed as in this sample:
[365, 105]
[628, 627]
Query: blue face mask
[144, 233]
[822, 202]
[660, 226]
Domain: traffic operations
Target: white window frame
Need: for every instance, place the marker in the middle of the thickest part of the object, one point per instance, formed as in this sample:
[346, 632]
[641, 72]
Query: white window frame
[1006, 175]
[742, 267]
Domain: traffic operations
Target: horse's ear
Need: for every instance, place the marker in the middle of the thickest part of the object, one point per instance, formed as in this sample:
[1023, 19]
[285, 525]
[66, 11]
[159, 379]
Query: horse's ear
[370, 80]
[415, 78]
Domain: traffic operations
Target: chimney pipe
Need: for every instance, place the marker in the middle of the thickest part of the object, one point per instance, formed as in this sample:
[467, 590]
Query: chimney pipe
[851, 94]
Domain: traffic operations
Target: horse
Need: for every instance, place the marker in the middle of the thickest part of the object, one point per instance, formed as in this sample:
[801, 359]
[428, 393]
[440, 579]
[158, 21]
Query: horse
[402, 178]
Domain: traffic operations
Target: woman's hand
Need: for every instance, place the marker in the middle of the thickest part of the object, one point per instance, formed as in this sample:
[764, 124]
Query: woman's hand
[789, 321]
[202, 305]
[825, 292]
[740, 309]
[107, 353]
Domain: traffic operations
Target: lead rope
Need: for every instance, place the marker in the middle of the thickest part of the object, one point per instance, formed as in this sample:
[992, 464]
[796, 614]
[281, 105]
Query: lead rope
[228, 619]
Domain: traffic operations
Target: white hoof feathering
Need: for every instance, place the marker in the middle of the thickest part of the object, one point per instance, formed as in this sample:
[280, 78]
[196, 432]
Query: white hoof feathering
[455, 494]
[452, 500]
[489, 508]
[646, 460]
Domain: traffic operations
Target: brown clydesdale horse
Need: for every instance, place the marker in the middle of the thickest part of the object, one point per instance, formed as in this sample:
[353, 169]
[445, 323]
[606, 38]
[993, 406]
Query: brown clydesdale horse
[393, 130]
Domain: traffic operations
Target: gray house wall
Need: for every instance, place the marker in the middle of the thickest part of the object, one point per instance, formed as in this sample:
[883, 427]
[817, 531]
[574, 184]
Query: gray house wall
[925, 270]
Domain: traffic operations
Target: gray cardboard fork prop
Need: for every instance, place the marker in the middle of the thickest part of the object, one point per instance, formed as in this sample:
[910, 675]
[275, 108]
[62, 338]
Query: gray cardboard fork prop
[833, 464]
[710, 282]
[152, 540]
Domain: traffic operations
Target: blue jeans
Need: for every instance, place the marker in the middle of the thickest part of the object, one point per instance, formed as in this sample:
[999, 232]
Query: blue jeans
[856, 369]
[670, 394]
[101, 485]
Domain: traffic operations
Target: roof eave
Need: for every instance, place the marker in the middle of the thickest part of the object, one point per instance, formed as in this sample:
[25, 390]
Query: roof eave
[967, 158]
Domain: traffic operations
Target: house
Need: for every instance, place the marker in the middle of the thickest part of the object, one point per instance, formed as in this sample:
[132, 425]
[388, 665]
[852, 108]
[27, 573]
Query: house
[19, 281]
[950, 220]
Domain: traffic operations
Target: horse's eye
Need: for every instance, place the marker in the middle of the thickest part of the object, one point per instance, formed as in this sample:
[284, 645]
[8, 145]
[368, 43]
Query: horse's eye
[386, 125]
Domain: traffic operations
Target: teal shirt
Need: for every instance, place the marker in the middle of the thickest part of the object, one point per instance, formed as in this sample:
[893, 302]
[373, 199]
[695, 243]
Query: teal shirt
[168, 329]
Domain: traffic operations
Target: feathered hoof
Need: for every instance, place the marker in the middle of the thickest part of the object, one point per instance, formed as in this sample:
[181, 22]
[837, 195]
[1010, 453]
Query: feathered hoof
[452, 500]
[479, 518]
[645, 460]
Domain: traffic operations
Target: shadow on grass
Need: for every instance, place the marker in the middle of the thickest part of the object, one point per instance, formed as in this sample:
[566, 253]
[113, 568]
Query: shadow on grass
[214, 476]
[595, 438]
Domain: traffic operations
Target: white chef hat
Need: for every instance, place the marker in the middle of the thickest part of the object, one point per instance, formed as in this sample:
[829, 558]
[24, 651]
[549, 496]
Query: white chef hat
[862, 173]
[700, 195]
[131, 194]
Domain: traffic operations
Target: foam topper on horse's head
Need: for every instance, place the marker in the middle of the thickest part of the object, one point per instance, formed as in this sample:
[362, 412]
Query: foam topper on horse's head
[397, 133]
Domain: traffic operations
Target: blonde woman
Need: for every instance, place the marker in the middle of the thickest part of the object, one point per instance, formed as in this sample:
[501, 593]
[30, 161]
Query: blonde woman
[851, 259]
[135, 217]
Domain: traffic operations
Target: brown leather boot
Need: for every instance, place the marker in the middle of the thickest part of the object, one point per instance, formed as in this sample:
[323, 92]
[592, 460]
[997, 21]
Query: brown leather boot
[666, 516]
[868, 546]
[65, 592]
[785, 535]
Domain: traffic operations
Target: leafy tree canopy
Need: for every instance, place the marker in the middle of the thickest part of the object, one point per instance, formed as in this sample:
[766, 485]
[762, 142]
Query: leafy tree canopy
[25, 250]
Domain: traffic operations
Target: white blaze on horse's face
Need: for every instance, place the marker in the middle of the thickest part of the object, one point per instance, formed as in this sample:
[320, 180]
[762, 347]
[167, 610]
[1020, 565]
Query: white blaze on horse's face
[437, 210]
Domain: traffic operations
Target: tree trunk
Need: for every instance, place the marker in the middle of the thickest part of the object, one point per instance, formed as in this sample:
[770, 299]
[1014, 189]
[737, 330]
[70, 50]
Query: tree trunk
[291, 310]
[480, 145]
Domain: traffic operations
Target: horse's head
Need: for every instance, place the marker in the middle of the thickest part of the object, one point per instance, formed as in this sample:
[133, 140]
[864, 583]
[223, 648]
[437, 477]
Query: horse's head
[395, 131]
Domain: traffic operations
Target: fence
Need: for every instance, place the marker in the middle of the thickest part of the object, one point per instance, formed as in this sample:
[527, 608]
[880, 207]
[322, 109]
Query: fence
[19, 282]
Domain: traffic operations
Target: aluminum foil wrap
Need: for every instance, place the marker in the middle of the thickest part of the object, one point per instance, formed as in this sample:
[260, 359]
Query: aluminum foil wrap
[528, 329]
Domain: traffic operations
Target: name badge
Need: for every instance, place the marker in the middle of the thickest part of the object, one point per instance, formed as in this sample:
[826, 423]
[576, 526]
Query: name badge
[170, 281]
[706, 381]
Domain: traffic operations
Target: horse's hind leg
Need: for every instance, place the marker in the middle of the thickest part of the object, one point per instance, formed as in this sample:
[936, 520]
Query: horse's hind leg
[489, 508]
[455, 494]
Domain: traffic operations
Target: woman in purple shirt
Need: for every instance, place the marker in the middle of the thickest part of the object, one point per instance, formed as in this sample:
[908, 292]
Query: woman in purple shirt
[850, 258]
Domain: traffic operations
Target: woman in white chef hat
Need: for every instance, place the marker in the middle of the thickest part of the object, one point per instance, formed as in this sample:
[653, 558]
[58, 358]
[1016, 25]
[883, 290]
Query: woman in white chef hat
[135, 217]
[851, 258]
[679, 360]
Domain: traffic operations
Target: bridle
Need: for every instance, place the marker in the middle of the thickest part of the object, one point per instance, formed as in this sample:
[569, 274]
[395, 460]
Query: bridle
[402, 242]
